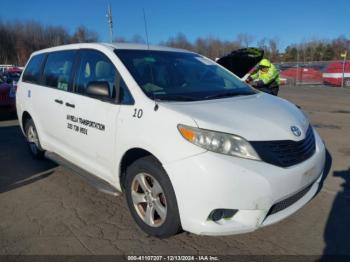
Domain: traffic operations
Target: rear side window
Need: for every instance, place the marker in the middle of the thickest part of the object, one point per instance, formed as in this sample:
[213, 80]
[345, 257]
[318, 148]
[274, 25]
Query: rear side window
[32, 71]
[58, 69]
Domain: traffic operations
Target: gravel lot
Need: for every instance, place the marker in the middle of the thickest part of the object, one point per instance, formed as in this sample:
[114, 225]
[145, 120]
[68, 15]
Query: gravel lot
[45, 209]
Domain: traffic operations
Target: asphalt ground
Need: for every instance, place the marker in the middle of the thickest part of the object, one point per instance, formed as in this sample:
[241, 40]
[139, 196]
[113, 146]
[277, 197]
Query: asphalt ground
[45, 209]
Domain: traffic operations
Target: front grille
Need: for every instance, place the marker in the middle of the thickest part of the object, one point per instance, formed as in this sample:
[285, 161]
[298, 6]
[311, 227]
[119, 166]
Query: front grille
[288, 201]
[285, 153]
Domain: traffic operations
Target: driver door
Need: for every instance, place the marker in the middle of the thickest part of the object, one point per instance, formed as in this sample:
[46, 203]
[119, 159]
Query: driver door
[91, 122]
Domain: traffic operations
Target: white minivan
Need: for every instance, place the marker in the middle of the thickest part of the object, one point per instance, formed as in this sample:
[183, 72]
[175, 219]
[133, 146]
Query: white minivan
[192, 146]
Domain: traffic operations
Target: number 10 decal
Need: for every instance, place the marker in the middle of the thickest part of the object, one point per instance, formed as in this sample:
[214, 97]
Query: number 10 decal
[138, 113]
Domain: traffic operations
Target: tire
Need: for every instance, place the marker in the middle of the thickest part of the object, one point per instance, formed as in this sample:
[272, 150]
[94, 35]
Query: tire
[148, 182]
[33, 139]
[347, 82]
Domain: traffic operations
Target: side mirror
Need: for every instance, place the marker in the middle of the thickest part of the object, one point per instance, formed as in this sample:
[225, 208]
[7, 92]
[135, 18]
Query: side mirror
[98, 89]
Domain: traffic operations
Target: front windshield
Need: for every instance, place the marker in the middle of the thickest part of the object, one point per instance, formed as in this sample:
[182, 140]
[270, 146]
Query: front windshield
[178, 76]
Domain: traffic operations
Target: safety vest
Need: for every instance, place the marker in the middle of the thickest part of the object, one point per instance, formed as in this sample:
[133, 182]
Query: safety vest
[270, 78]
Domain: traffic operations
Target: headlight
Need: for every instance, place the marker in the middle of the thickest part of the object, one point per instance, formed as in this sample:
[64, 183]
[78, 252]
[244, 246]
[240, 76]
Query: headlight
[218, 142]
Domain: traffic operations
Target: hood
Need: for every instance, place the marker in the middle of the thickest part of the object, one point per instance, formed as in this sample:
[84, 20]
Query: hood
[259, 117]
[241, 61]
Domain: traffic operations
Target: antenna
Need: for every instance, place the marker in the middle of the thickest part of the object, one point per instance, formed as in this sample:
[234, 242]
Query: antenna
[156, 107]
[145, 23]
[110, 21]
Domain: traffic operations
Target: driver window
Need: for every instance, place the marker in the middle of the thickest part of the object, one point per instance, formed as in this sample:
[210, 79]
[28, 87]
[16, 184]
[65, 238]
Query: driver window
[95, 67]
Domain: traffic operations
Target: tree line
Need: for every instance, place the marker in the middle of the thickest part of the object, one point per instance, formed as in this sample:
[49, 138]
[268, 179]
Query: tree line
[19, 39]
[307, 51]
[214, 47]
[318, 50]
[313, 50]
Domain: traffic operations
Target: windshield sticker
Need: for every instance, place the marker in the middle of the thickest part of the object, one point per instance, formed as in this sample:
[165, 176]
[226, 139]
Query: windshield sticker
[149, 59]
[204, 60]
[83, 124]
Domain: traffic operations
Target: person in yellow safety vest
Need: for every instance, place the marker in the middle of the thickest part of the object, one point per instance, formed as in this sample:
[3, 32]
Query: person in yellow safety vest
[265, 78]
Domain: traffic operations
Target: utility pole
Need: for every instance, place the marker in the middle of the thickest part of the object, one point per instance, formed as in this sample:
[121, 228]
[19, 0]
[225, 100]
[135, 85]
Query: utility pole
[297, 71]
[110, 22]
[344, 61]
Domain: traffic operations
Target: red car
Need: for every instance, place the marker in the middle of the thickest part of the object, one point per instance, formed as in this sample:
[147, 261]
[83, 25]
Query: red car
[333, 74]
[12, 75]
[7, 97]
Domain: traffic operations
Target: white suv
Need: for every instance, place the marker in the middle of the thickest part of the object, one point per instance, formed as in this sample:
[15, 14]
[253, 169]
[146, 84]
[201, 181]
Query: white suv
[190, 144]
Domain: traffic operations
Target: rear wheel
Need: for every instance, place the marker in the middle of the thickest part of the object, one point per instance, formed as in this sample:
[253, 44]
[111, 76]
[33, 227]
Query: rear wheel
[151, 198]
[33, 139]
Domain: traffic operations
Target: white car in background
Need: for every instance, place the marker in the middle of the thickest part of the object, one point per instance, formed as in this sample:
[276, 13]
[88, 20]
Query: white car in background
[190, 144]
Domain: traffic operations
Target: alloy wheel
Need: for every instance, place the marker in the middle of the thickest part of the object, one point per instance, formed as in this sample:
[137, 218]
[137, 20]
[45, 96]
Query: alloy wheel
[32, 138]
[148, 199]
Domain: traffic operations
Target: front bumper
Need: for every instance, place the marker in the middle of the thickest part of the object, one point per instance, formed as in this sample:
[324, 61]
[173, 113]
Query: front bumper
[211, 181]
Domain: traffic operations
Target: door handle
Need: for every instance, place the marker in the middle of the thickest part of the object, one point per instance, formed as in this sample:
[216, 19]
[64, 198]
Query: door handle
[70, 105]
[59, 101]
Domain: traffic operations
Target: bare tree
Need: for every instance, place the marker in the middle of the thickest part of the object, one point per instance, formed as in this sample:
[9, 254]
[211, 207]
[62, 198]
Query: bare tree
[19, 39]
[263, 44]
[82, 34]
[273, 49]
[245, 39]
[56, 36]
[179, 41]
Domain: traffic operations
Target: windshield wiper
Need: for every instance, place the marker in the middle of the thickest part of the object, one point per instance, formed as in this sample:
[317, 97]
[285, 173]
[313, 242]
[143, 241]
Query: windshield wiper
[176, 98]
[222, 95]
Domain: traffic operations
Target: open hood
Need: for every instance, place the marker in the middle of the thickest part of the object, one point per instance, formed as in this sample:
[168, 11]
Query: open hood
[241, 61]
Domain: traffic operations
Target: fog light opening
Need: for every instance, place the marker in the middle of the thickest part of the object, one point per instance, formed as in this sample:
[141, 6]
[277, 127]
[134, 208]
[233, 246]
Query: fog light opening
[229, 213]
[218, 214]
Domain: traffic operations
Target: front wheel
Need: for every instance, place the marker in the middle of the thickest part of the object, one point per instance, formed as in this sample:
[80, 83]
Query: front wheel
[347, 82]
[151, 198]
[33, 139]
